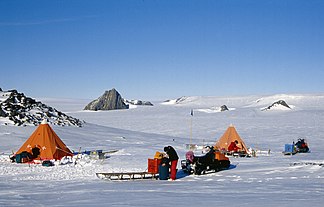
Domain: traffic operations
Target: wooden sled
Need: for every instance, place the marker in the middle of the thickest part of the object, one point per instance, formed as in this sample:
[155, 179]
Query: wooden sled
[127, 176]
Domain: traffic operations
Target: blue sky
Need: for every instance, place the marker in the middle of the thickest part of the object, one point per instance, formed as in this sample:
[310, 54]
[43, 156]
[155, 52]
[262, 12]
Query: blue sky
[161, 49]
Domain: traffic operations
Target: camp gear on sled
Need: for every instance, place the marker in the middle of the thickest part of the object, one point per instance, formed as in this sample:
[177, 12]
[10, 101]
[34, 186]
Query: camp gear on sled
[152, 172]
[49, 144]
[153, 165]
[289, 149]
[227, 138]
[212, 161]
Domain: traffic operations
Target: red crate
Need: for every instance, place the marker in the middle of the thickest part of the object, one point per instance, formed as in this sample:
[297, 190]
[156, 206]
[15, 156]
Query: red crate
[153, 165]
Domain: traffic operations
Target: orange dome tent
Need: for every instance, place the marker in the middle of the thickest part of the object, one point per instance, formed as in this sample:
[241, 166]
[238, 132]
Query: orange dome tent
[49, 144]
[229, 136]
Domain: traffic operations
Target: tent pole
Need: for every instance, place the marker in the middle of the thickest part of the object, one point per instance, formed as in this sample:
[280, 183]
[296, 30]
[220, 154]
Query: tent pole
[64, 151]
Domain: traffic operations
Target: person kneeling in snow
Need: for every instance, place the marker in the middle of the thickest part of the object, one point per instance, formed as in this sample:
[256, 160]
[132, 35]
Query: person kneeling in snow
[173, 158]
[233, 146]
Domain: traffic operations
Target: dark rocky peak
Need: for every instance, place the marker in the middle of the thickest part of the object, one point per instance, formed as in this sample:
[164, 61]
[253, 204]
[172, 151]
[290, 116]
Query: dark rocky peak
[223, 108]
[110, 100]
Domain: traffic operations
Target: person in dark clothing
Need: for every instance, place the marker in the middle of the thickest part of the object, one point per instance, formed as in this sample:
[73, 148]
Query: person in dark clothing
[35, 152]
[173, 158]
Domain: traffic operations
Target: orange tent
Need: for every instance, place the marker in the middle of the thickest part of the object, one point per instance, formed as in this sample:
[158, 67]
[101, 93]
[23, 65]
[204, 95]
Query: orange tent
[229, 136]
[49, 144]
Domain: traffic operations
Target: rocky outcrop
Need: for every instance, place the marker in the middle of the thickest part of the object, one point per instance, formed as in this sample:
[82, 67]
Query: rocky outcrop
[110, 100]
[281, 103]
[223, 108]
[181, 99]
[2, 113]
[138, 102]
[22, 110]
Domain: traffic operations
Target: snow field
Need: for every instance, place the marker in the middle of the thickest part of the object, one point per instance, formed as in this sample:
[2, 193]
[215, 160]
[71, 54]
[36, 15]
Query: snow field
[265, 180]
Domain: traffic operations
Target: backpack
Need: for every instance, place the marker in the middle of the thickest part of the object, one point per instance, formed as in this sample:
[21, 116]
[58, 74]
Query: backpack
[47, 163]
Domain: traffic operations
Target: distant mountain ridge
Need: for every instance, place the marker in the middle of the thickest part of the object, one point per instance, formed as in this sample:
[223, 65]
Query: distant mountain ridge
[266, 103]
[21, 110]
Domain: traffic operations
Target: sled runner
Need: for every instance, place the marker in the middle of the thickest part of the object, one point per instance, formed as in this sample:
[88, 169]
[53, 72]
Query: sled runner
[127, 175]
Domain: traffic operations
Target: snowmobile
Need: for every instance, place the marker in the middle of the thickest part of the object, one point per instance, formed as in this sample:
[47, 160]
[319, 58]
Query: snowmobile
[302, 146]
[212, 161]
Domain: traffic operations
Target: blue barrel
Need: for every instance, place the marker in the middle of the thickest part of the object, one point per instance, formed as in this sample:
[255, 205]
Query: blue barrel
[163, 172]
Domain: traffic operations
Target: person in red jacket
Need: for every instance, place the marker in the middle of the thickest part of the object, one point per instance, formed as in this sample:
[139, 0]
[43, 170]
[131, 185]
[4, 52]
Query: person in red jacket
[233, 146]
[173, 158]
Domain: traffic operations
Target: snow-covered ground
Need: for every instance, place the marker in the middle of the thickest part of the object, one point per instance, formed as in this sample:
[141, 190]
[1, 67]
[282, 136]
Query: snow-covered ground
[137, 133]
